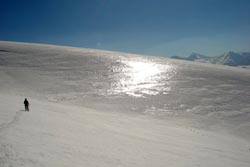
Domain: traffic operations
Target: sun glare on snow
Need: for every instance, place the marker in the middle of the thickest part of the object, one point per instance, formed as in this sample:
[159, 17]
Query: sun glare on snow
[142, 77]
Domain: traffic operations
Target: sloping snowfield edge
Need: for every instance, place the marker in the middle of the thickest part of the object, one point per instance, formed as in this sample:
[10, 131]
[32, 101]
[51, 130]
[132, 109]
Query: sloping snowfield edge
[74, 121]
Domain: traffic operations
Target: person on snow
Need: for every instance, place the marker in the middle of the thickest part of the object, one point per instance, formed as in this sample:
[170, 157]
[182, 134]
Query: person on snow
[26, 104]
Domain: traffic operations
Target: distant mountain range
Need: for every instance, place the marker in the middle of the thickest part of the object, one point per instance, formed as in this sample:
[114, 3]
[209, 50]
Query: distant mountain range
[228, 58]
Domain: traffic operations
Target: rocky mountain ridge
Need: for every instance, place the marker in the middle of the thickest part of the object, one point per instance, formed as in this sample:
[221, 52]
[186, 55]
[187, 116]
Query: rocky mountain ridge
[229, 58]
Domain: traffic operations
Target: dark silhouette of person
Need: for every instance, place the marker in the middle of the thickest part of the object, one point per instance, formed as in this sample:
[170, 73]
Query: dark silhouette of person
[26, 104]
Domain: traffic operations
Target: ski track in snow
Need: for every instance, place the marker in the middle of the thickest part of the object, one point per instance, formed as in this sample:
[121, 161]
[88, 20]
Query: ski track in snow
[8, 125]
[8, 155]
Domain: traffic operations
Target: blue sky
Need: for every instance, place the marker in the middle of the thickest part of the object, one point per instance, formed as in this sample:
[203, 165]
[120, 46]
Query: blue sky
[155, 27]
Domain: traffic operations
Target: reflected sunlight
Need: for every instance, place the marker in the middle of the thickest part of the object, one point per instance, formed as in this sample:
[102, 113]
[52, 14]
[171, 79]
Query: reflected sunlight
[141, 77]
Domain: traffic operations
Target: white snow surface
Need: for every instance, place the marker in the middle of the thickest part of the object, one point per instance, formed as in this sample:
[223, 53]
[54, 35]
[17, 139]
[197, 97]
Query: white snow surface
[101, 108]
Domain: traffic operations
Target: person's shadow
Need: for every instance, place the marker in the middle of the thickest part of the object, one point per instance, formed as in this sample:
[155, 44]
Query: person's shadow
[22, 110]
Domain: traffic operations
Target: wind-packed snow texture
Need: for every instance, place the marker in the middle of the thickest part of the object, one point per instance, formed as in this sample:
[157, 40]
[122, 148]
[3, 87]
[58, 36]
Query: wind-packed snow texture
[101, 108]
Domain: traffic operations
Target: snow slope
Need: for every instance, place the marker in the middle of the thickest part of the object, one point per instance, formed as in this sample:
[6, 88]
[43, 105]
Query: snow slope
[100, 108]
